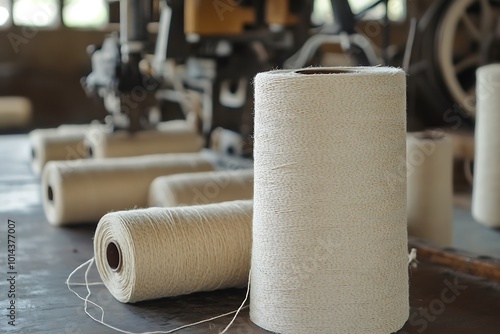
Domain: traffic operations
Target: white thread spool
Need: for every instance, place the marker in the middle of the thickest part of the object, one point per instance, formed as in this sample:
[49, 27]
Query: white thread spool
[329, 248]
[201, 188]
[486, 189]
[430, 186]
[15, 112]
[62, 143]
[167, 138]
[162, 252]
[85, 190]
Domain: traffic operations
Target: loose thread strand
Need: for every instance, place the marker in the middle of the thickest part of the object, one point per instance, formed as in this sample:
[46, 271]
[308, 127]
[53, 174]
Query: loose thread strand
[86, 300]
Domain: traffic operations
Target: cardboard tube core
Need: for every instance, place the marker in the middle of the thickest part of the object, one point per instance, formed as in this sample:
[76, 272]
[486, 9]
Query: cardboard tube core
[323, 71]
[114, 256]
[50, 194]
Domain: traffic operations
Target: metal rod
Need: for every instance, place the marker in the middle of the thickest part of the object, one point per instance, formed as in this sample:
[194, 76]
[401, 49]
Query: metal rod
[134, 17]
[386, 34]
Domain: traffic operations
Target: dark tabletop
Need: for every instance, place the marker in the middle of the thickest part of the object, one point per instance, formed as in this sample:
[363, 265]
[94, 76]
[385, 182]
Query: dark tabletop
[45, 255]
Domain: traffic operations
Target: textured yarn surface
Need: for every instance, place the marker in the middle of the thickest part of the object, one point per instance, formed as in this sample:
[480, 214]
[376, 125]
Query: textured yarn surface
[167, 252]
[169, 137]
[486, 190]
[430, 187]
[62, 143]
[201, 188]
[329, 248]
[84, 190]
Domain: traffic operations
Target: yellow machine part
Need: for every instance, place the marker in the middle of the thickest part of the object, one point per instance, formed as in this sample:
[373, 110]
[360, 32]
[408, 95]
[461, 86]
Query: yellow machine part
[278, 12]
[224, 17]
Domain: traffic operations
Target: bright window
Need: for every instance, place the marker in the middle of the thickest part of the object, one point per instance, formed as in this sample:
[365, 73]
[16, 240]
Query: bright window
[85, 13]
[323, 10]
[37, 13]
[4, 13]
[397, 9]
[322, 13]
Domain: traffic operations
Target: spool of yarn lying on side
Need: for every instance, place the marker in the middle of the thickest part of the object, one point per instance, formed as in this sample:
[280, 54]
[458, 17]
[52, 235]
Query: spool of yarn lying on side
[486, 190]
[62, 143]
[67, 128]
[162, 252]
[329, 250]
[430, 186]
[85, 190]
[201, 188]
[15, 112]
[171, 139]
[177, 124]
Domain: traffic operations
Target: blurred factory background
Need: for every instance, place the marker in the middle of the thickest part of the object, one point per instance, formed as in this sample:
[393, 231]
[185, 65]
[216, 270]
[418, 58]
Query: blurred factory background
[45, 48]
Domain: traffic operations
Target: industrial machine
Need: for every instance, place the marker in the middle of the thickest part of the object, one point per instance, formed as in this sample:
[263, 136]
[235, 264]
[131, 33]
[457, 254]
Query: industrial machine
[206, 54]
[205, 57]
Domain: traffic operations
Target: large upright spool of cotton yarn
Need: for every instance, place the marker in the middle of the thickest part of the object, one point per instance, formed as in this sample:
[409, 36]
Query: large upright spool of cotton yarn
[162, 252]
[168, 138]
[430, 186]
[486, 190]
[201, 188]
[85, 190]
[329, 230]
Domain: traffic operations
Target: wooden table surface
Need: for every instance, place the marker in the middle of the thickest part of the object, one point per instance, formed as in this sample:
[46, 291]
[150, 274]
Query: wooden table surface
[45, 255]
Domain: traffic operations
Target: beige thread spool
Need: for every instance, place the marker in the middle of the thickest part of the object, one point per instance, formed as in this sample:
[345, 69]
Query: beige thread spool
[329, 250]
[201, 188]
[62, 143]
[15, 112]
[85, 190]
[162, 252]
[430, 186]
[486, 188]
[167, 138]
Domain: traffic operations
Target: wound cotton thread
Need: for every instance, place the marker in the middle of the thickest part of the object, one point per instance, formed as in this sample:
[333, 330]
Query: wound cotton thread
[169, 137]
[201, 188]
[486, 188]
[62, 143]
[430, 186]
[83, 191]
[329, 248]
[162, 252]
